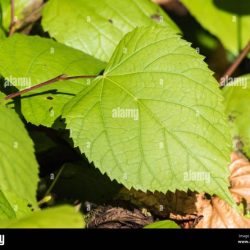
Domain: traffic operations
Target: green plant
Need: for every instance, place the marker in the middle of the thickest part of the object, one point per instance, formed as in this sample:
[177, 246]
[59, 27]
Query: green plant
[121, 87]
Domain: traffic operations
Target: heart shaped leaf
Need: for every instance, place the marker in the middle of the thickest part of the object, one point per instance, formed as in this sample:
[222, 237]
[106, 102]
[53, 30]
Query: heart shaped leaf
[154, 120]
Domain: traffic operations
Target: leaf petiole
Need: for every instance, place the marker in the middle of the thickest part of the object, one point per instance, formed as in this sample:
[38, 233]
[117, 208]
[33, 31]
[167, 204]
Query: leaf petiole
[62, 77]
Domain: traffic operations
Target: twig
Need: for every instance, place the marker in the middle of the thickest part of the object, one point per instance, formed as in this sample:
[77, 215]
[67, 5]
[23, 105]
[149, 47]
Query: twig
[12, 18]
[234, 66]
[53, 80]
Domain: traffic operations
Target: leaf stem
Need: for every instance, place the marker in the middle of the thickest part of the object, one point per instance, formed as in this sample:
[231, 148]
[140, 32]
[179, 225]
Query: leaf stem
[234, 66]
[12, 18]
[62, 77]
[54, 181]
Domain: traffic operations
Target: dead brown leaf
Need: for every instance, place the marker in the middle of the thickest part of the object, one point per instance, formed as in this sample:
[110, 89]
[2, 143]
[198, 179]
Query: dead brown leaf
[160, 204]
[117, 217]
[219, 214]
[240, 177]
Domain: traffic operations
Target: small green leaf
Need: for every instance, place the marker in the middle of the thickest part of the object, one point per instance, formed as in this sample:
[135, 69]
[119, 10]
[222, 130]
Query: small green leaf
[96, 27]
[228, 20]
[154, 120]
[34, 60]
[18, 166]
[162, 224]
[237, 96]
[56, 217]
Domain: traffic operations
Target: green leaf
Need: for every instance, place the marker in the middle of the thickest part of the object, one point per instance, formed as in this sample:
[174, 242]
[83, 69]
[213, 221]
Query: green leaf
[163, 224]
[237, 95]
[96, 27]
[2, 95]
[18, 166]
[6, 210]
[22, 9]
[154, 120]
[228, 20]
[2, 31]
[12, 206]
[34, 60]
[57, 217]
[2, 34]
[4, 12]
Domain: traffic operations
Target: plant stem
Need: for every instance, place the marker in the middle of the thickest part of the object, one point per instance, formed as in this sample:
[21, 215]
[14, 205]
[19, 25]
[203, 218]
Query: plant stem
[234, 66]
[12, 18]
[53, 80]
[54, 181]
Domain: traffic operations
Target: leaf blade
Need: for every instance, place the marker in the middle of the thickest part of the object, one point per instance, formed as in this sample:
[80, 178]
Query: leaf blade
[56, 217]
[19, 169]
[76, 23]
[35, 60]
[162, 224]
[12, 206]
[232, 29]
[237, 94]
[169, 138]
